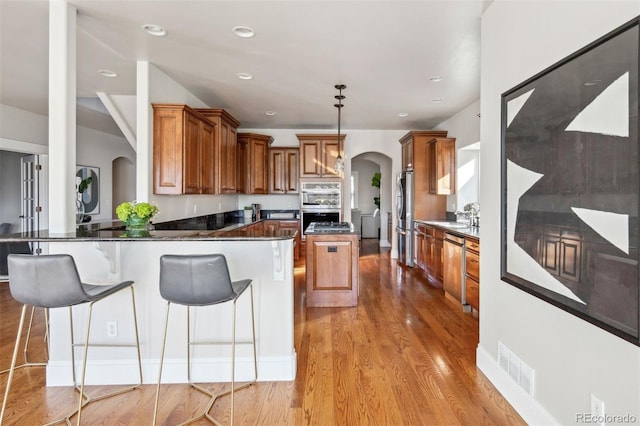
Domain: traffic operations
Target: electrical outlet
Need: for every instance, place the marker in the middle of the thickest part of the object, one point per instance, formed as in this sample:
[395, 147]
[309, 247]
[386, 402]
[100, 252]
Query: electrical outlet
[112, 328]
[597, 410]
[219, 206]
[195, 208]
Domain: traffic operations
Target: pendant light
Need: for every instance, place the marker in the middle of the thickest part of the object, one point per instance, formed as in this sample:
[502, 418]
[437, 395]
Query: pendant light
[339, 166]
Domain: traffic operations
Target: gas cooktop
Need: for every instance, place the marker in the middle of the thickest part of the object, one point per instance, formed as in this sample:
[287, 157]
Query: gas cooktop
[329, 227]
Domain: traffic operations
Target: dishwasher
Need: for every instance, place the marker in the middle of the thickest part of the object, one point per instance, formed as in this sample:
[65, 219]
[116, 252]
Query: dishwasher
[453, 277]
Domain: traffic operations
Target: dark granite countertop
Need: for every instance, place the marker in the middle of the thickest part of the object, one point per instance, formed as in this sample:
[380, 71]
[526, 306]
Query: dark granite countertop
[115, 231]
[454, 227]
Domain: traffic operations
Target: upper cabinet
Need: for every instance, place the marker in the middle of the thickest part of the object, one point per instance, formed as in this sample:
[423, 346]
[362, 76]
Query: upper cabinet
[416, 156]
[184, 153]
[318, 155]
[253, 163]
[226, 147]
[442, 166]
[284, 164]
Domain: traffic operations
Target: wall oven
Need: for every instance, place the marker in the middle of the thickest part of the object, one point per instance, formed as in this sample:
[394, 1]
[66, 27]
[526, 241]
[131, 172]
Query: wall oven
[319, 202]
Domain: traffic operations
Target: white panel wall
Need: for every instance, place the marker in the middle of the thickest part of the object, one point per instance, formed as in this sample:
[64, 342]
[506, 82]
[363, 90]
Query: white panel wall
[571, 357]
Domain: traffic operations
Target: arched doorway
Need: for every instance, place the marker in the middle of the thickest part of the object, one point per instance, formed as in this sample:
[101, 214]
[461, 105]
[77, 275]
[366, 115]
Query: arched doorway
[374, 219]
[124, 182]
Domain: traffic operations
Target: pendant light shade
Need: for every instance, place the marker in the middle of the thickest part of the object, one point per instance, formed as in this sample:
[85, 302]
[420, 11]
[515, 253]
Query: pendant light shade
[339, 166]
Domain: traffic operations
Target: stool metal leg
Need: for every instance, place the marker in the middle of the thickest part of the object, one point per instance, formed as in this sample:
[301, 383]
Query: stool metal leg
[213, 397]
[84, 398]
[164, 342]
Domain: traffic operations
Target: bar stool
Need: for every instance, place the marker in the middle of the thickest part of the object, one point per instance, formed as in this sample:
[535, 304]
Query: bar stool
[203, 280]
[52, 281]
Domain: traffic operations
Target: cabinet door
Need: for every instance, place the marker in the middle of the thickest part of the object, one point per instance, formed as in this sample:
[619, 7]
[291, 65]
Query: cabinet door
[442, 166]
[407, 155]
[259, 166]
[167, 151]
[277, 164]
[292, 174]
[329, 155]
[310, 159]
[438, 256]
[191, 154]
[228, 143]
[207, 159]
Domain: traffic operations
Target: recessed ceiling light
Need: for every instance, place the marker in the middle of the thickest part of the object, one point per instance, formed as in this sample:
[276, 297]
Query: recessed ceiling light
[244, 32]
[435, 78]
[403, 114]
[107, 73]
[154, 30]
[436, 100]
[593, 83]
[270, 113]
[244, 76]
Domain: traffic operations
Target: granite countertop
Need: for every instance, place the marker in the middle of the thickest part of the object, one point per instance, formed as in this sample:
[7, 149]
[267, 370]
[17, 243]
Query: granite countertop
[454, 227]
[116, 232]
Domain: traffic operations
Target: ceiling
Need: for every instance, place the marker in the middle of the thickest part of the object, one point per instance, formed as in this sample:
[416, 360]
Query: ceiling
[385, 52]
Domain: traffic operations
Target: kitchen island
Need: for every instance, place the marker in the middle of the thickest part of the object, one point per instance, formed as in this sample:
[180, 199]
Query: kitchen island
[262, 254]
[332, 251]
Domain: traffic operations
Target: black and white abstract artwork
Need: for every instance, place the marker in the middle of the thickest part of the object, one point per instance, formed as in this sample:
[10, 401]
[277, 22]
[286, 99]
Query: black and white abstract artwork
[571, 184]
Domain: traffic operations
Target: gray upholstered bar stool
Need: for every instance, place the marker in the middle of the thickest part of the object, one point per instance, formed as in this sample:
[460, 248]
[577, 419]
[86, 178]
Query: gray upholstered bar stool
[52, 281]
[203, 280]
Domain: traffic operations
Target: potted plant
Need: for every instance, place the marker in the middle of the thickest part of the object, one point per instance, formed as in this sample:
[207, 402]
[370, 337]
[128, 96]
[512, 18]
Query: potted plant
[375, 181]
[136, 215]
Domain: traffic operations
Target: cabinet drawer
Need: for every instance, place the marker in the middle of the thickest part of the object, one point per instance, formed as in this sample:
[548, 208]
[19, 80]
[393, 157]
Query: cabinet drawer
[473, 293]
[472, 264]
[473, 245]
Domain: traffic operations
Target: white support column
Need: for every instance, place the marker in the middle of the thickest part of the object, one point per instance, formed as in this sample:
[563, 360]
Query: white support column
[144, 157]
[62, 116]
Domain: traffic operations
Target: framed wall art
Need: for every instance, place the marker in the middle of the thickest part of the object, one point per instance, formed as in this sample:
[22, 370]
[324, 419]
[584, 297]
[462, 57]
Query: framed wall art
[571, 186]
[90, 196]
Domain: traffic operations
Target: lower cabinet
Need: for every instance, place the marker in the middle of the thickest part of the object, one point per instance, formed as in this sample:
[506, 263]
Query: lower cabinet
[332, 270]
[472, 268]
[429, 252]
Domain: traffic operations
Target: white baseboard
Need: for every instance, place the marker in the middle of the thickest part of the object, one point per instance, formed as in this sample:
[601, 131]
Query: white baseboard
[110, 372]
[529, 409]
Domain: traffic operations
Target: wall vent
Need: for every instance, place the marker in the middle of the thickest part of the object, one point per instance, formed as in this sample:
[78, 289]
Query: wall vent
[515, 368]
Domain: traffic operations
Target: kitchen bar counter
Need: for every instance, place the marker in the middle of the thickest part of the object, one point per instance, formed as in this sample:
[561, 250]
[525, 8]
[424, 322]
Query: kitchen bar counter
[253, 251]
[238, 231]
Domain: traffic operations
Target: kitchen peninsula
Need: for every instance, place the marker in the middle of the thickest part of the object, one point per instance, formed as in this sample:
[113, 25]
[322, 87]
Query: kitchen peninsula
[262, 254]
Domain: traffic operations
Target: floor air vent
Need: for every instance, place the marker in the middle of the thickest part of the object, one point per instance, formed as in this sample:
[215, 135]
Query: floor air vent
[517, 369]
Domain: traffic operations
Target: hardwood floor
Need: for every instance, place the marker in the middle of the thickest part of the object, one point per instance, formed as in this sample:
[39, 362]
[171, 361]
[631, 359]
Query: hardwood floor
[403, 356]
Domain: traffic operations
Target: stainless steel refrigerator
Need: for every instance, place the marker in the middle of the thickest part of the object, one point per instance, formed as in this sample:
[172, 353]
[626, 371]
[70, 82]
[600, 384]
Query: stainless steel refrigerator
[404, 213]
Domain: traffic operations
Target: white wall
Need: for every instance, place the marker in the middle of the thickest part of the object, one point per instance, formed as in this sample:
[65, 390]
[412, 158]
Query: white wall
[93, 148]
[571, 357]
[465, 127]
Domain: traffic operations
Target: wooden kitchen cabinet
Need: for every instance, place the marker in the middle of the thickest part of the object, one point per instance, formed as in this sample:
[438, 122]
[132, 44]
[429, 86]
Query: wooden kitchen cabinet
[184, 154]
[318, 155]
[226, 146]
[442, 166]
[415, 156]
[284, 165]
[253, 163]
[332, 270]
[472, 268]
[429, 252]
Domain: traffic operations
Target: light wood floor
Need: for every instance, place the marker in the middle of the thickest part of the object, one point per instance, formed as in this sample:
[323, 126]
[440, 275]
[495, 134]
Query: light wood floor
[403, 356]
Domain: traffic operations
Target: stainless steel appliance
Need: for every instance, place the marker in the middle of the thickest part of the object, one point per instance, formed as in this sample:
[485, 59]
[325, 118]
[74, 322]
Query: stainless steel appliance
[320, 202]
[329, 228]
[255, 211]
[404, 213]
[321, 196]
[453, 276]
